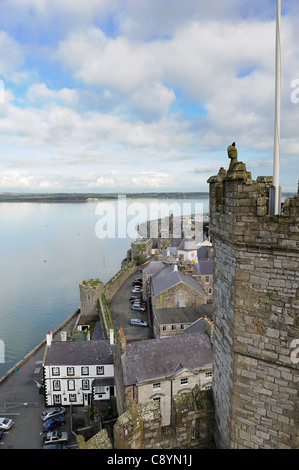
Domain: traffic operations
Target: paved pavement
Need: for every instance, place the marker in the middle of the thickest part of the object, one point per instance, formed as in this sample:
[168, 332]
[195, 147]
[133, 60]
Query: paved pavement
[20, 400]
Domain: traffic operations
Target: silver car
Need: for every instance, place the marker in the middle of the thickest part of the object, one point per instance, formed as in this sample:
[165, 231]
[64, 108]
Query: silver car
[56, 437]
[5, 423]
[53, 412]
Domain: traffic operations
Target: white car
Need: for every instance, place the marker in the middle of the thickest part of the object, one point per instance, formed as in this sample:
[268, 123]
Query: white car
[5, 424]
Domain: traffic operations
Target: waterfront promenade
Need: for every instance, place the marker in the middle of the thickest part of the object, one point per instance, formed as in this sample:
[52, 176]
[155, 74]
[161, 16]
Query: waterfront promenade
[20, 400]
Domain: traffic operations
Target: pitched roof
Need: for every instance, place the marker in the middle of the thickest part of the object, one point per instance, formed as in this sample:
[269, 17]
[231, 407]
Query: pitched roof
[79, 353]
[160, 357]
[169, 277]
[178, 314]
[205, 266]
[153, 267]
[187, 244]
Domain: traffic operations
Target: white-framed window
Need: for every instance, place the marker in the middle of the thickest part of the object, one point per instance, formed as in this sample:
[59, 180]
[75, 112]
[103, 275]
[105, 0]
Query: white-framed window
[156, 385]
[100, 370]
[209, 374]
[70, 371]
[71, 385]
[56, 399]
[164, 327]
[72, 397]
[207, 279]
[182, 327]
[173, 327]
[85, 370]
[55, 371]
[85, 384]
[56, 385]
[184, 381]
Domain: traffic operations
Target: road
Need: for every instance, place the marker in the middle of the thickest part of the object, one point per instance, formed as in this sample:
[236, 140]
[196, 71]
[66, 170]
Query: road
[120, 309]
[20, 400]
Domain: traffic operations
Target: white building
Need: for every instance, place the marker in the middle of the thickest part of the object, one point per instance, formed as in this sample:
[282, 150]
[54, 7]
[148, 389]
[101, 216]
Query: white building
[78, 372]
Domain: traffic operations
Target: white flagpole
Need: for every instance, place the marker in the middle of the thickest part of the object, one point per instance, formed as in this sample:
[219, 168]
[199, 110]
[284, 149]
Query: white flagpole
[277, 111]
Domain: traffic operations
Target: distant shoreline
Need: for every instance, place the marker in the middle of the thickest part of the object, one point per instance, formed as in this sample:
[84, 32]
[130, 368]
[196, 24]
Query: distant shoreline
[90, 197]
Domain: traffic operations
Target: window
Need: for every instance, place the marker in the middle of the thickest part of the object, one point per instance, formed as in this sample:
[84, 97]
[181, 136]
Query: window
[207, 279]
[55, 371]
[100, 370]
[72, 397]
[71, 385]
[70, 371]
[173, 327]
[209, 374]
[85, 384]
[164, 327]
[85, 370]
[210, 290]
[56, 399]
[157, 385]
[158, 399]
[184, 381]
[99, 389]
[56, 385]
[182, 327]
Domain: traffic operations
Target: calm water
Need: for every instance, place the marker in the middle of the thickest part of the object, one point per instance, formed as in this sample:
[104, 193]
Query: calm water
[47, 250]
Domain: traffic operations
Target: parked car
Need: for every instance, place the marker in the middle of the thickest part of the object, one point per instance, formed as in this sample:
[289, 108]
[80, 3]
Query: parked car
[1, 434]
[6, 423]
[138, 322]
[140, 304]
[137, 290]
[53, 423]
[56, 437]
[134, 297]
[55, 446]
[138, 308]
[137, 283]
[53, 411]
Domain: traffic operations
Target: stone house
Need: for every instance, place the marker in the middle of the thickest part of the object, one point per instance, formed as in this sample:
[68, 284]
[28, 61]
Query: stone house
[159, 369]
[170, 288]
[175, 321]
[78, 372]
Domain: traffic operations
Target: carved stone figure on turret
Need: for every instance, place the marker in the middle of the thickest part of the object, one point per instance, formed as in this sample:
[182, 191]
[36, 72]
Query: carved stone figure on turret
[233, 155]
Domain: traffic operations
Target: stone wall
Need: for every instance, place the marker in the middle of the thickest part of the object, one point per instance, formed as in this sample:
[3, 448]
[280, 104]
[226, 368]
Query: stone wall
[256, 302]
[140, 427]
[90, 292]
[171, 297]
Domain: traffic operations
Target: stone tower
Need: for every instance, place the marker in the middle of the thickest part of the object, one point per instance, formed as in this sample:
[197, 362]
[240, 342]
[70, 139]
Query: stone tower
[256, 302]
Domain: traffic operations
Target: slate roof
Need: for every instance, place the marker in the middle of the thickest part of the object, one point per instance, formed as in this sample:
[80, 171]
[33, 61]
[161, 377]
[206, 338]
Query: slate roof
[168, 277]
[62, 353]
[153, 267]
[164, 356]
[178, 315]
[205, 266]
[187, 244]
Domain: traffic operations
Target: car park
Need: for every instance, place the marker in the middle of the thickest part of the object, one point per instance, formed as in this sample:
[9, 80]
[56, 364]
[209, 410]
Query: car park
[53, 423]
[138, 322]
[56, 437]
[5, 424]
[53, 411]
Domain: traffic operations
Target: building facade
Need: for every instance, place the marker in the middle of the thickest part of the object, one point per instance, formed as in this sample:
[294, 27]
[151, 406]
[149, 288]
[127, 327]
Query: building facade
[78, 373]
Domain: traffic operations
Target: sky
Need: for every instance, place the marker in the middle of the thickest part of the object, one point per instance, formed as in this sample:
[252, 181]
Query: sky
[143, 95]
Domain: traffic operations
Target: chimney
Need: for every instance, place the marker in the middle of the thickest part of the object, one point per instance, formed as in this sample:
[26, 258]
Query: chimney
[111, 336]
[49, 338]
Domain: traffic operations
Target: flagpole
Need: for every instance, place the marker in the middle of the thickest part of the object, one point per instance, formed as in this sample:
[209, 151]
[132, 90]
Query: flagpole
[277, 112]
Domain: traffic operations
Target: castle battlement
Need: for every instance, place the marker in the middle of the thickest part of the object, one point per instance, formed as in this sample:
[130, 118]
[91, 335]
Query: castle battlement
[256, 306]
